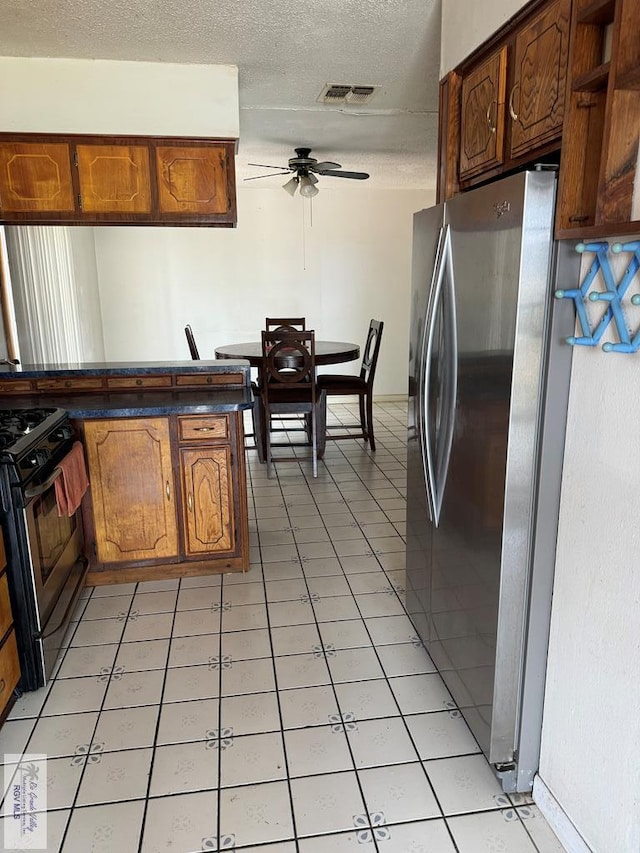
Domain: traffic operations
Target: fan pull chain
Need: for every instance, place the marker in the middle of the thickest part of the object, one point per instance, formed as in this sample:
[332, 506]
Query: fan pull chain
[304, 241]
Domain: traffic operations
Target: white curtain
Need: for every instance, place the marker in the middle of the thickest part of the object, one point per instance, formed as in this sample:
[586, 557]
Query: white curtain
[45, 294]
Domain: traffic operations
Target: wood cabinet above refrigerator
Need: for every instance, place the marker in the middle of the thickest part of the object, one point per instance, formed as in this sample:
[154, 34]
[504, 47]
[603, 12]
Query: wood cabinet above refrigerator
[504, 106]
[87, 180]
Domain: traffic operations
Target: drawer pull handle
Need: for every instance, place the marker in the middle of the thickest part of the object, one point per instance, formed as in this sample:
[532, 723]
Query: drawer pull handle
[190, 502]
[168, 491]
[492, 127]
[68, 383]
[138, 381]
[204, 429]
[3, 684]
[209, 380]
[512, 112]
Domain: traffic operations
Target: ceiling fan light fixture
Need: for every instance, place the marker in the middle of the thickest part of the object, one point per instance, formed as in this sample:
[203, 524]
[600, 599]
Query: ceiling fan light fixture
[307, 187]
[291, 186]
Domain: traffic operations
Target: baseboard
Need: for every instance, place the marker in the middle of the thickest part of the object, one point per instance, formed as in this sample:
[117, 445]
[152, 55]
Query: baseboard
[558, 819]
[385, 398]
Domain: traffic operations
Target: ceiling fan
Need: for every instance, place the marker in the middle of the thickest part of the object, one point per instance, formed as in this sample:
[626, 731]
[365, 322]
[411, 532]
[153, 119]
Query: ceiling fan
[305, 169]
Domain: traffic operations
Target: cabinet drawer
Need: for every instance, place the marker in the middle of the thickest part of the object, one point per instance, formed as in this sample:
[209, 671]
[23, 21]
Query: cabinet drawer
[199, 379]
[203, 428]
[9, 669]
[6, 616]
[15, 386]
[125, 383]
[87, 383]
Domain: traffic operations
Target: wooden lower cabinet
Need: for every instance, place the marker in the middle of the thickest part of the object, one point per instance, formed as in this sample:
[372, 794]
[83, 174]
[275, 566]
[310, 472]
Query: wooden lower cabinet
[132, 490]
[207, 496]
[168, 497]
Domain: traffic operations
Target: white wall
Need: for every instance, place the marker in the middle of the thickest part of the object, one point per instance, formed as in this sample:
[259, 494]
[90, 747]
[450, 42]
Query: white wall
[465, 25]
[99, 96]
[351, 263]
[591, 729]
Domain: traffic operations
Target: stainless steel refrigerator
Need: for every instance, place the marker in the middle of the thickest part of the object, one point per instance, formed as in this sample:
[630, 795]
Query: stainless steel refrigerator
[488, 388]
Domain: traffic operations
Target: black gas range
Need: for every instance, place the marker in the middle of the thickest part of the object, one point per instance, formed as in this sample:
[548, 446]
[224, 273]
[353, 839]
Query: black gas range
[46, 565]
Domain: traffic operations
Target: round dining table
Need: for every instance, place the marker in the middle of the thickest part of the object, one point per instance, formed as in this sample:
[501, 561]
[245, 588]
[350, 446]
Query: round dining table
[327, 352]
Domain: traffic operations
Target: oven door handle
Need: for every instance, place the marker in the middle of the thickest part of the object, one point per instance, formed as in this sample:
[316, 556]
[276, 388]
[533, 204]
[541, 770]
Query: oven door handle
[36, 491]
[41, 635]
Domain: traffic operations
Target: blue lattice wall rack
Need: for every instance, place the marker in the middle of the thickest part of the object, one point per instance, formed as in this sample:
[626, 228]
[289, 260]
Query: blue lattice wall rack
[613, 296]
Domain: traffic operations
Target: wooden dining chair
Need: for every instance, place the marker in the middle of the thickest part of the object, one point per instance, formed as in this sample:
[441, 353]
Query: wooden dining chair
[285, 324]
[289, 385]
[360, 386]
[193, 349]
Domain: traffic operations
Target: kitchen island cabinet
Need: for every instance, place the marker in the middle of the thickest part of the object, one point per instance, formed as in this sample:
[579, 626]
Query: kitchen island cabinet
[134, 512]
[164, 445]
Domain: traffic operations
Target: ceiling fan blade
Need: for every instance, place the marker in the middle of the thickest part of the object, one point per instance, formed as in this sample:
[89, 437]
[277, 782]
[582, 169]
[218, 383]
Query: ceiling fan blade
[264, 166]
[272, 175]
[331, 173]
[326, 164]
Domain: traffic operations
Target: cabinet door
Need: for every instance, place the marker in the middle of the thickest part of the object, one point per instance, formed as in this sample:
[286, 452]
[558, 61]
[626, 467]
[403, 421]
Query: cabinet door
[114, 178]
[192, 179]
[35, 177]
[207, 494]
[536, 100]
[482, 118]
[132, 489]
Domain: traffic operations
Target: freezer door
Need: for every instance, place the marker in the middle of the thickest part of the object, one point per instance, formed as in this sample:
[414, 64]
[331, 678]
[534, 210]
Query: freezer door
[500, 248]
[428, 239]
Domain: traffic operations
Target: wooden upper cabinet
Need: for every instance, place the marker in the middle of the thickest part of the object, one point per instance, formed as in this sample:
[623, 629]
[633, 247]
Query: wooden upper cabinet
[482, 115]
[537, 95]
[132, 492]
[88, 180]
[114, 178]
[208, 500]
[192, 179]
[35, 176]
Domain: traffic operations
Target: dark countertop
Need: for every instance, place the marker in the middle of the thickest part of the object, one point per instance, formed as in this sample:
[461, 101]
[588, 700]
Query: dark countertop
[130, 404]
[122, 368]
[148, 404]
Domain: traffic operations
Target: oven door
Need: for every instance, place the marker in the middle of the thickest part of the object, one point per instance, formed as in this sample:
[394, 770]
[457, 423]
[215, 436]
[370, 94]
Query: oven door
[58, 567]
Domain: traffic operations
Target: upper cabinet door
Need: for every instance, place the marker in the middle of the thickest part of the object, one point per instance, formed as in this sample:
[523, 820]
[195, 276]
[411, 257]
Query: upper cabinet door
[482, 115]
[114, 178]
[536, 100]
[35, 177]
[192, 179]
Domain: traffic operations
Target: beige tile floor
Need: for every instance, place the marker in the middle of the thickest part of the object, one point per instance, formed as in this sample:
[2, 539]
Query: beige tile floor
[288, 710]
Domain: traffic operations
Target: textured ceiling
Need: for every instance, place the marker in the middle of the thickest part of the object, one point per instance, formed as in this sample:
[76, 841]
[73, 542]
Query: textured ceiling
[285, 54]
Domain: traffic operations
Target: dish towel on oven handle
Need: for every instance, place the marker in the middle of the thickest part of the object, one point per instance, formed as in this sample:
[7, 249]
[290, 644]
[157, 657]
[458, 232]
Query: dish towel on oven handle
[73, 482]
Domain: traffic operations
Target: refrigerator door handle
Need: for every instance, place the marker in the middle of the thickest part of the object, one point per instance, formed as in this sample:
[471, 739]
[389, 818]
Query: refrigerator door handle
[451, 373]
[427, 353]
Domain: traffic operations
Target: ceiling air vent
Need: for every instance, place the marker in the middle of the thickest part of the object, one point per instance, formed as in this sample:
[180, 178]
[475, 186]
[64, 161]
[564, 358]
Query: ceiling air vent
[337, 93]
[360, 94]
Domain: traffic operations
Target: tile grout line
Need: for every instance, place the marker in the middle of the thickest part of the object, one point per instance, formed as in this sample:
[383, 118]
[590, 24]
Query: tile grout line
[277, 691]
[157, 726]
[101, 708]
[331, 681]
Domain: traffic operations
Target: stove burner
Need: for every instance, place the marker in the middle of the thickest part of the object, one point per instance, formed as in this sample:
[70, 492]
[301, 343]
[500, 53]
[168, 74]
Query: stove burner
[18, 422]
